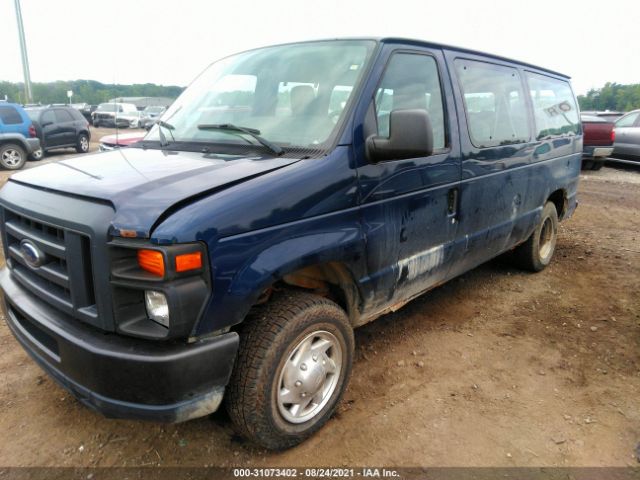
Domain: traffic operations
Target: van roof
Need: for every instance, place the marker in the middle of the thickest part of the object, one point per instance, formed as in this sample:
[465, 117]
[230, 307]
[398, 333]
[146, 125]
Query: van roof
[465, 50]
[425, 43]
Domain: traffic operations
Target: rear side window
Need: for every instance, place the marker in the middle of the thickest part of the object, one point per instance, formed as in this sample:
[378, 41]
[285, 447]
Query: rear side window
[63, 116]
[47, 117]
[9, 115]
[628, 120]
[494, 102]
[554, 106]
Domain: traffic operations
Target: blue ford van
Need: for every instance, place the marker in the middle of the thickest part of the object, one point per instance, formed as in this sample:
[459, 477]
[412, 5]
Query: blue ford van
[291, 194]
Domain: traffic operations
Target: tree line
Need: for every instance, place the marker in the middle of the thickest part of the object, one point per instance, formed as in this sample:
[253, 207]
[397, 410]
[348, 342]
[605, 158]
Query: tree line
[84, 91]
[612, 96]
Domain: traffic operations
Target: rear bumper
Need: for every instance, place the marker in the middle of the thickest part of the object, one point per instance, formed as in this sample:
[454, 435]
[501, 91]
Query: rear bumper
[598, 153]
[33, 144]
[117, 376]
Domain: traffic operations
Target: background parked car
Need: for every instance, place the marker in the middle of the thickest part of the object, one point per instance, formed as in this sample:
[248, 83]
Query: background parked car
[627, 144]
[150, 115]
[18, 137]
[59, 127]
[111, 114]
[111, 142]
[85, 109]
[598, 141]
[133, 118]
[609, 115]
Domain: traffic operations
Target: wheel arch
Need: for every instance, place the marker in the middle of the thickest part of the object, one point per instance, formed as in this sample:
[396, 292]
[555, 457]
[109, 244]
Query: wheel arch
[560, 200]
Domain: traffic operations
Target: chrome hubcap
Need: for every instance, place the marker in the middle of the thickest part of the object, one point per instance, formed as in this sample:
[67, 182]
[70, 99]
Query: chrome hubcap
[547, 239]
[309, 377]
[84, 144]
[11, 157]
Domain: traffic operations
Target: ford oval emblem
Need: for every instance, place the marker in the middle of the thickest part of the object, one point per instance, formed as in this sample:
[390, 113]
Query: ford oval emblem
[32, 255]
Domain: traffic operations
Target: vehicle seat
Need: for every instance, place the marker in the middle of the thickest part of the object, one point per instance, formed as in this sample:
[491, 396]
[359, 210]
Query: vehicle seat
[302, 98]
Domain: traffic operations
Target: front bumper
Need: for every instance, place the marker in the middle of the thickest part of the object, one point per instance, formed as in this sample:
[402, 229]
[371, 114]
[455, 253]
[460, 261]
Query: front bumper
[117, 376]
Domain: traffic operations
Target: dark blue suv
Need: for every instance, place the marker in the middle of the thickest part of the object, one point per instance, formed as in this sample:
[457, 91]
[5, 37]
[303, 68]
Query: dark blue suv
[18, 137]
[290, 195]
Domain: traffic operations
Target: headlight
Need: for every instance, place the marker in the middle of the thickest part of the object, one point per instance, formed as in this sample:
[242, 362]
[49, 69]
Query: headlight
[157, 307]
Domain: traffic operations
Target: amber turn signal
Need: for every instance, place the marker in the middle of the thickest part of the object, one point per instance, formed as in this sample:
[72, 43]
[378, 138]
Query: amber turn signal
[188, 261]
[152, 261]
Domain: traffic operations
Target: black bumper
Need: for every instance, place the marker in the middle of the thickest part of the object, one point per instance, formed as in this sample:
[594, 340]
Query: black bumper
[118, 376]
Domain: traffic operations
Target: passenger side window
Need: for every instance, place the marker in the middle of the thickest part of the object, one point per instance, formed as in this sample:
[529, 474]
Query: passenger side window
[411, 81]
[63, 116]
[554, 106]
[494, 102]
[9, 115]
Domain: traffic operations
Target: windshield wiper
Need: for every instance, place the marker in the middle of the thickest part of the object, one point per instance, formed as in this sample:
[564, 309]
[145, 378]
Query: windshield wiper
[168, 126]
[228, 127]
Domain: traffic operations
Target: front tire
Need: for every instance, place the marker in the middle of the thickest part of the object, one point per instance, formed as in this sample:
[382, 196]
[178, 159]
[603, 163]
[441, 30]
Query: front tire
[536, 253]
[293, 366]
[82, 144]
[12, 156]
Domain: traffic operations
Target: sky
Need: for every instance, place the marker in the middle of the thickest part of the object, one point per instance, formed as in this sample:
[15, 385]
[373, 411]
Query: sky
[169, 42]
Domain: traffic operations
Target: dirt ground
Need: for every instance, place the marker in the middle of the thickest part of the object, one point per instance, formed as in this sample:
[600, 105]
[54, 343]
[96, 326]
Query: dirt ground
[496, 368]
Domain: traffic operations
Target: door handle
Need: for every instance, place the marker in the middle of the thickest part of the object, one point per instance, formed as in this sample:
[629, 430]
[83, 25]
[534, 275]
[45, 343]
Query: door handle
[452, 203]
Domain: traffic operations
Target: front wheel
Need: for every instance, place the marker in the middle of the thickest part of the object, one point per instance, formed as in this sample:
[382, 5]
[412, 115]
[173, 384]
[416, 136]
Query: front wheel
[82, 144]
[293, 366]
[12, 156]
[536, 253]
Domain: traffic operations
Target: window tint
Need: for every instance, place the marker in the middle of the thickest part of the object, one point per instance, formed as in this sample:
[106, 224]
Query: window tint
[494, 102]
[9, 115]
[411, 81]
[554, 106]
[63, 116]
[47, 117]
[628, 120]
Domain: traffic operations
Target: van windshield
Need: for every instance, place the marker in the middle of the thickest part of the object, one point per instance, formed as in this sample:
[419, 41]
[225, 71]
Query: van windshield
[291, 95]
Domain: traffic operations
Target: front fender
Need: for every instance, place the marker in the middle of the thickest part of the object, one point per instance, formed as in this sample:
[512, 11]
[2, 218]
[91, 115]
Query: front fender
[245, 265]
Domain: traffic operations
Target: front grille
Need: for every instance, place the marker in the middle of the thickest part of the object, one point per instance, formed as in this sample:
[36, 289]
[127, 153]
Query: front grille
[64, 280]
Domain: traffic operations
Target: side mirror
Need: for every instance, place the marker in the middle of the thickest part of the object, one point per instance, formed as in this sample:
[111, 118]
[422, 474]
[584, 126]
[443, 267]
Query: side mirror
[410, 136]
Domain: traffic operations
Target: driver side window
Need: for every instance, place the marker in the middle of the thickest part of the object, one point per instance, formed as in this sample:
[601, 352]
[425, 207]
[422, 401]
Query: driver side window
[411, 81]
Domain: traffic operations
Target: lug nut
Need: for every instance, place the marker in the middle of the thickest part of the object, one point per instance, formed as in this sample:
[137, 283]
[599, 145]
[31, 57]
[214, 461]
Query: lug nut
[315, 358]
[303, 366]
[298, 383]
[303, 394]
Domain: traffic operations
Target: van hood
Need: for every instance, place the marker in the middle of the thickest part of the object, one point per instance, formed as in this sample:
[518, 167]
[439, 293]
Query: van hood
[143, 184]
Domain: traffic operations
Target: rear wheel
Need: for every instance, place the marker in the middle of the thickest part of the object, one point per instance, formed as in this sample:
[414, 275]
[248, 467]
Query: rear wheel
[293, 365]
[82, 144]
[587, 164]
[536, 253]
[597, 165]
[37, 155]
[12, 156]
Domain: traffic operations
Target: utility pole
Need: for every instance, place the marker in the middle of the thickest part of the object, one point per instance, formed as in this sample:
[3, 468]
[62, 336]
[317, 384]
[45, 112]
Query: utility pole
[25, 59]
